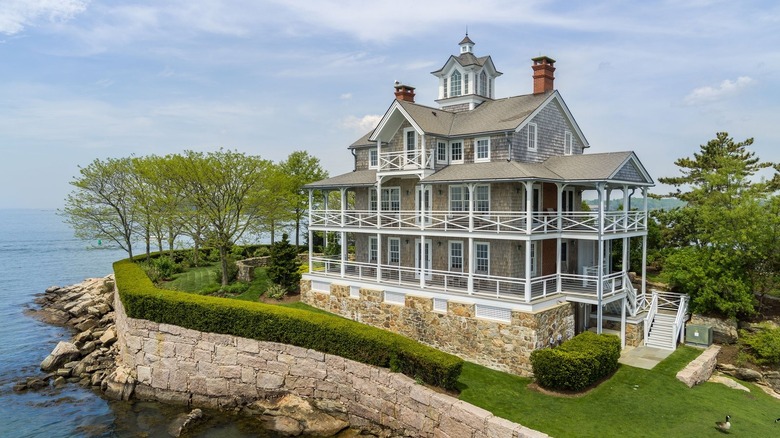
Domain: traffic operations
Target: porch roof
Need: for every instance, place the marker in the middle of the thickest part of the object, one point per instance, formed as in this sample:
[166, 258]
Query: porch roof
[357, 178]
[585, 167]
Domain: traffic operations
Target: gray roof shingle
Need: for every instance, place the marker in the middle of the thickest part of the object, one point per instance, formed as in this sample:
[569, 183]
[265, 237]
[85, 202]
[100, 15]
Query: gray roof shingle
[352, 179]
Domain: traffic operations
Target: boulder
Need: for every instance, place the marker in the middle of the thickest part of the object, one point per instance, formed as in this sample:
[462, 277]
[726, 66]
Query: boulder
[312, 422]
[120, 384]
[62, 353]
[748, 375]
[52, 289]
[109, 336]
[182, 421]
[285, 426]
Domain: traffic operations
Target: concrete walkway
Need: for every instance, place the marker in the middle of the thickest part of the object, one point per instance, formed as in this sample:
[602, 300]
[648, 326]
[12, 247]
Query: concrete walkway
[643, 357]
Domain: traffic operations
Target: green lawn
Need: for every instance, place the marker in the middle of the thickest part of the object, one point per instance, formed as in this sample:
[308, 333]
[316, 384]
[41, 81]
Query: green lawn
[632, 403]
[193, 280]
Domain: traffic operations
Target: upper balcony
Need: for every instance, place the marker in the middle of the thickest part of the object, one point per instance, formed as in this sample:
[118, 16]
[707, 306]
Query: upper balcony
[412, 160]
[490, 222]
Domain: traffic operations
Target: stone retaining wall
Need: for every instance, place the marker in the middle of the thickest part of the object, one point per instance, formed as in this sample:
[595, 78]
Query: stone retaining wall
[176, 364]
[503, 346]
[700, 369]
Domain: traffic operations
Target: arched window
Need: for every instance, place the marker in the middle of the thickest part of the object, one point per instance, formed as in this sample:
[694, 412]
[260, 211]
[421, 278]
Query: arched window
[483, 84]
[455, 84]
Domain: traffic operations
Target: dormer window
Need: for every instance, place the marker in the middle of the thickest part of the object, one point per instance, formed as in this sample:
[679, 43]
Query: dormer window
[455, 84]
[483, 84]
[466, 83]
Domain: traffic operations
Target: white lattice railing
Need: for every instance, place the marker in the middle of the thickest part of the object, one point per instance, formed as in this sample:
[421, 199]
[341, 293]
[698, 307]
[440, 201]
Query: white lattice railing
[405, 160]
[481, 284]
[511, 222]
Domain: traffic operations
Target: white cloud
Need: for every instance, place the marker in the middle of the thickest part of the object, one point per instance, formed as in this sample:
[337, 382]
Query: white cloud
[362, 124]
[346, 96]
[726, 88]
[16, 15]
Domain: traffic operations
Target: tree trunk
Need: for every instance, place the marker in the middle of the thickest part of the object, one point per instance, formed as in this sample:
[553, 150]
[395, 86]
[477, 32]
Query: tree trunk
[273, 229]
[223, 260]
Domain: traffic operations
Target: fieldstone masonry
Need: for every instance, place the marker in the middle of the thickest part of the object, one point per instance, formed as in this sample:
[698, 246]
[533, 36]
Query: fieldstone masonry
[176, 364]
[494, 344]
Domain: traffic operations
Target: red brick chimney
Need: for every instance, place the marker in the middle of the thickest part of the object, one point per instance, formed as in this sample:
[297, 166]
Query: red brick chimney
[404, 92]
[543, 74]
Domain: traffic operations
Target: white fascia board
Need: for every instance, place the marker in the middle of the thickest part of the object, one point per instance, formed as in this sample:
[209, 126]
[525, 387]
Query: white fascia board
[386, 119]
[634, 159]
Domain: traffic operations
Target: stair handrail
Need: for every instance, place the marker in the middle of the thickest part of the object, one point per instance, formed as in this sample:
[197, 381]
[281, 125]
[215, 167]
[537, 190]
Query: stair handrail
[651, 314]
[679, 320]
[631, 291]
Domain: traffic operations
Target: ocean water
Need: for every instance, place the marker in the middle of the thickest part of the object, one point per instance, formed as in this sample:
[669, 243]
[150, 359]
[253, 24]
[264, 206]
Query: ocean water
[38, 250]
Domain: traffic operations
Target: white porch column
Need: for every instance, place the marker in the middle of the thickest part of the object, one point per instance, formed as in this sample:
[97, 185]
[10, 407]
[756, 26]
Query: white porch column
[600, 276]
[423, 260]
[378, 258]
[423, 164]
[558, 240]
[311, 233]
[644, 243]
[529, 205]
[343, 201]
[325, 196]
[527, 271]
[471, 207]
[471, 266]
[343, 253]
[378, 225]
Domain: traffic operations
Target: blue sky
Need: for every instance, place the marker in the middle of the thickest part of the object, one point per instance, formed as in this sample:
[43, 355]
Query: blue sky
[82, 79]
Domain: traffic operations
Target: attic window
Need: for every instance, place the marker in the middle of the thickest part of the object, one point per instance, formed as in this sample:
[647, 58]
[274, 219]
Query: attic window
[532, 136]
[567, 143]
[455, 84]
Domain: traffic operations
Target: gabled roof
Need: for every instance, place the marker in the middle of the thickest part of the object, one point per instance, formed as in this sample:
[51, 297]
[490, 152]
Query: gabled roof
[491, 116]
[466, 60]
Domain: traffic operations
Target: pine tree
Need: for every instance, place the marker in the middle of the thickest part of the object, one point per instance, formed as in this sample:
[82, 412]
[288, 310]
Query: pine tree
[283, 264]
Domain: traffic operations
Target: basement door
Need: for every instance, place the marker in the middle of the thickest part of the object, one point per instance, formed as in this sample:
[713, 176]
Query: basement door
[422, 258]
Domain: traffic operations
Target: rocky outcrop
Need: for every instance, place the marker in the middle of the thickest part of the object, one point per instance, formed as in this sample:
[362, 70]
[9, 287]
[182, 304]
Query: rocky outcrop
[90, 357]
[183, 421]
[292, 415]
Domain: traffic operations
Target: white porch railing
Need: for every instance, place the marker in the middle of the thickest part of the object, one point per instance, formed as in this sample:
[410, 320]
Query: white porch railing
[493, 286]
[510, 222]
[405, 160]
[651, 314]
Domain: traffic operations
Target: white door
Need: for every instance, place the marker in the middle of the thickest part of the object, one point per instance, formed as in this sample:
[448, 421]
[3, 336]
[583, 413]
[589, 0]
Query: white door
[423, 202]
[423, 259]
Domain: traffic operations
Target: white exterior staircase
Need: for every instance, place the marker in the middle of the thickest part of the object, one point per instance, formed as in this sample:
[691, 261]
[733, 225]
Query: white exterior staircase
[661, 333]
[665, 320]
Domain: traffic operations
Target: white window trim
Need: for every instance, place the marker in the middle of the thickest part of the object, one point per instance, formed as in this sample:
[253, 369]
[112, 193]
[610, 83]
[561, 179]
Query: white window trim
[489, 199]
[464, 189]
[534, 257]
[397, 298]
[389, 252]
[493, 313]
[373, 247]
[462, 255]
[476, 263]
[459, 89]
[379, 201]
[446, 159]
[375, 152]
[462, 153]
[533, 146]
[476, 150]
[437, 305]
[406, 141]
[568, 143]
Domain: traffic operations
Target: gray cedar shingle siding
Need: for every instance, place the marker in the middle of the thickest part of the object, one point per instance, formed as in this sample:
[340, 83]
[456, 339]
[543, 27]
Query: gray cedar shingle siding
[629, 172]
[551, 127]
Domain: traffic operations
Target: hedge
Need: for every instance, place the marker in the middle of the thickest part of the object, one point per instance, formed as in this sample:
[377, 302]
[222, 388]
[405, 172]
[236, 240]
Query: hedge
[577, 363]
[325, 333]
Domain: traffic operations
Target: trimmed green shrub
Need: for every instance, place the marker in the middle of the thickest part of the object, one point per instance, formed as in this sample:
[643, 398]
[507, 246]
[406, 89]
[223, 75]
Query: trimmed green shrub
[577, 363]
[232, 271]
[762, 345]
[325, 333]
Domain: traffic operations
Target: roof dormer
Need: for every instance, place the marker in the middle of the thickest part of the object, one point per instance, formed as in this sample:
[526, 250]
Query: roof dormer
[465, 81]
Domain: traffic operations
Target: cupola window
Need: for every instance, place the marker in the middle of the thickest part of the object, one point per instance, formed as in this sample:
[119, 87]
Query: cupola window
[455, 84]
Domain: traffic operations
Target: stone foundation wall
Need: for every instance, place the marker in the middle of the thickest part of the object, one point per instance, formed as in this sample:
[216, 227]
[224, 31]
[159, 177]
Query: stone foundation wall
[176, 364]
[494, 344]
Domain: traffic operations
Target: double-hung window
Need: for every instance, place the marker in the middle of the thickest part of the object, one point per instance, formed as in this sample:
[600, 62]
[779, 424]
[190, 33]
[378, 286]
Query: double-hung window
[568, 142]
[391, 199]
[459, 198]
[481, 258]
[373, 158]
[482, 149]
[441, 152]
[394, 251]
[456, 151]
[410, 142]
[456, 256]
[372, 249]
[482, 198]
[532, 136]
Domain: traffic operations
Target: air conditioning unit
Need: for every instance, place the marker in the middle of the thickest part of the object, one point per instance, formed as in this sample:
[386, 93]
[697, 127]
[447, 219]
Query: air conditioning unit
[698, 335]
